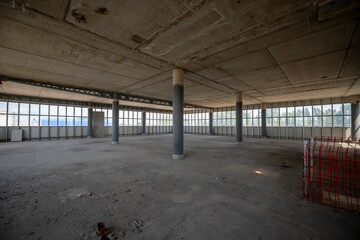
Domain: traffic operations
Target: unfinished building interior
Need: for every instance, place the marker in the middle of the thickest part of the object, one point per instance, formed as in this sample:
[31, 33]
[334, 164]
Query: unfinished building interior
[179, 119]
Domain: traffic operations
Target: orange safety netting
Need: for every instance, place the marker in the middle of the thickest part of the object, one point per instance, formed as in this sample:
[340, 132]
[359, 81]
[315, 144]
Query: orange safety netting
[332, 172]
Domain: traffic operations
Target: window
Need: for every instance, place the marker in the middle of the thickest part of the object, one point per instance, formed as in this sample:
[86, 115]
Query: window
[3, 113]
[228, 118]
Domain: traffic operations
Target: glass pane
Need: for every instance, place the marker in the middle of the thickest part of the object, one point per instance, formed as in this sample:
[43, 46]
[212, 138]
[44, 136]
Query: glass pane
[282, 112]
[53, 121]
[338, 121]
[34, 109]
[78, 121]
[291, 122]
[70, 111]
[34, 120]
[283, 122]
[275, 122]
[327, 121]
[249, 113]
[307, 111]
[317, 122]
[109, 113]
[299, 111]
[347, 121]
[275, 112]
[256, 113]
[327, 110]
[249, 122]
[12, 120]
[44, 121]
[62, 111]
[268, 122]
[24, 108]
[317, 110]
[13, 108]
[308, 121]
[61, 121]
[2, 120]
[84, 121]
[85, 112]
[347, 109]
[78, 112]
[44, 109]
[24, 120]
[299, 121]
[109, 122]
[3, 107]
[244, 123]
[126, 114]
[256, 122]
[53, 110]
[291, 111]
[337, 110]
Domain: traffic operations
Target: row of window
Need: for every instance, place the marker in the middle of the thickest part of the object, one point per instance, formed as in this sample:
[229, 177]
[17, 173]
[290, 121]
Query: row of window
[196, 119]
[25, 114]
[329, 115]
[158, 119]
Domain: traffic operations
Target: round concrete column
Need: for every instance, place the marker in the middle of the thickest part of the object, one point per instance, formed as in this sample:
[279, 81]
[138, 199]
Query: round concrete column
[239, 137]
[115, 122]
[355, 120]
[263, 120]
[143, 121]
[211, 123]
[89, 123]
[178, 113]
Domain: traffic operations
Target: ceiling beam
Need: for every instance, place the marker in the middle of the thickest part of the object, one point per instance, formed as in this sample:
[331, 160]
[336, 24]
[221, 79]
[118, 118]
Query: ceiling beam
[95, 92]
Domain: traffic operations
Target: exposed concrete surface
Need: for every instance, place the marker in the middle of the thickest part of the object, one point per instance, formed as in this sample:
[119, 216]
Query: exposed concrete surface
[271, 50]
[61, 189]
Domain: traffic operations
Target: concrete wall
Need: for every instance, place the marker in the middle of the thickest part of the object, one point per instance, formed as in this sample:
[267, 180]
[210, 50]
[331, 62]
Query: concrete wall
[98, 125]
[295, 133]
[202, 130]
[48, 133]
[158, 130]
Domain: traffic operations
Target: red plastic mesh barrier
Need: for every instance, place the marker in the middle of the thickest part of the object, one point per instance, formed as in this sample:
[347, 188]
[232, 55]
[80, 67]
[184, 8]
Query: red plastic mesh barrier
[332, 172]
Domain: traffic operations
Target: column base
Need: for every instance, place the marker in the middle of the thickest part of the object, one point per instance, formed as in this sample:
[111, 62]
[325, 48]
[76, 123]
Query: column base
[88, 137]
[239, 142]
[177, 157]
[114, 142]
[262, 137]
[143, 134]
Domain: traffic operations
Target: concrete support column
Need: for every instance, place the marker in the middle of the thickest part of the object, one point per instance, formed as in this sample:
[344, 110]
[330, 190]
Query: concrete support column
[263, 120]
[239, 137]
[355, 120]
[90, 123]
[211, 123]
[143, 123]
[178, 114]
[115, 122]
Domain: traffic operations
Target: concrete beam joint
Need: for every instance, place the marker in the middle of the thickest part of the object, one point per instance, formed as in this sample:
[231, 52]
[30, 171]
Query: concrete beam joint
[239, 97]
[178, 77]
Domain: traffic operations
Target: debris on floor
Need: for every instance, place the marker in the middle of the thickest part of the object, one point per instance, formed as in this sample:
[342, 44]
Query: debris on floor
[138, 224]
[101, 229]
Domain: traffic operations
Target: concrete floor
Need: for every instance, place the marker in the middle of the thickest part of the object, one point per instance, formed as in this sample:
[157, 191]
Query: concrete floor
[61, 189]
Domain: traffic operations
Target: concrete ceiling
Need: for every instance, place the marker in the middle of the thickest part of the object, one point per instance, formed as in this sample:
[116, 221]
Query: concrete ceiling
[270, 50]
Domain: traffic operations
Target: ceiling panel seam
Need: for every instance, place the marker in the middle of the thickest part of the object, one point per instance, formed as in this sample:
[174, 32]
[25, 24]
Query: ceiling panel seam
[349, 47]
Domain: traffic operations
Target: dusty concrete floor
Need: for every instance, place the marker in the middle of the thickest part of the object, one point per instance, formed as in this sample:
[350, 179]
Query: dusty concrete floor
[61, 189]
